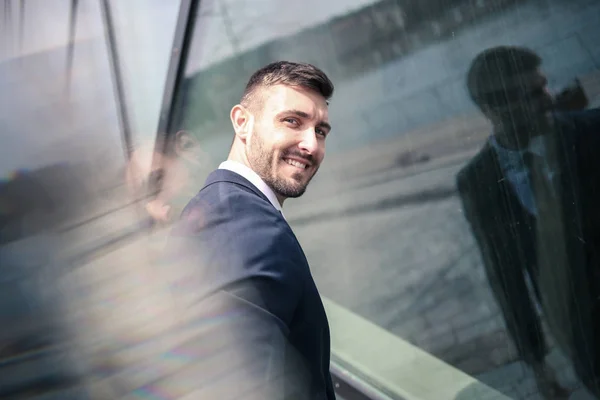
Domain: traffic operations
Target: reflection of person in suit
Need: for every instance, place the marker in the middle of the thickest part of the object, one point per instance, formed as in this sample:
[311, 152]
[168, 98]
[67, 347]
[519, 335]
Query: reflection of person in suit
[166, 171]
[530, 198]
[268, 335]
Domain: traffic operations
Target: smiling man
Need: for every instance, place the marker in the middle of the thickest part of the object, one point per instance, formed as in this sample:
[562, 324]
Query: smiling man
[281, 126]
[266, 334]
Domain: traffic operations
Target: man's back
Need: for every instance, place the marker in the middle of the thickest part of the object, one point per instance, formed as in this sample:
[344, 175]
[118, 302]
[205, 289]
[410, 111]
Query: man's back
[244, 257]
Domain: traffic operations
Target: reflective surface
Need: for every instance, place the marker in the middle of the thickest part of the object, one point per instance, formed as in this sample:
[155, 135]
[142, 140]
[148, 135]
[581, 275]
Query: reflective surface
[63, 198]
[425, 217]
[386, 230]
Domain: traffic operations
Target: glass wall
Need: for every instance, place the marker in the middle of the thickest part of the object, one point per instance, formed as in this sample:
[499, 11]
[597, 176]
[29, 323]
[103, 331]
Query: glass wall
[63, 197]
[451, 228]
[59, 108]
[452, 269]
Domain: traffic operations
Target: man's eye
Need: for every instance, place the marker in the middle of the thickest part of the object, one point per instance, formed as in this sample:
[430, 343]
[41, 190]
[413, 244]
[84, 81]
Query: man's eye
[291, 121]
[321, 132]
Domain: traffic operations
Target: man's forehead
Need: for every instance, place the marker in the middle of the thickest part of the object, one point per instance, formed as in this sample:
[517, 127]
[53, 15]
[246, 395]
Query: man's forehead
[282, 96]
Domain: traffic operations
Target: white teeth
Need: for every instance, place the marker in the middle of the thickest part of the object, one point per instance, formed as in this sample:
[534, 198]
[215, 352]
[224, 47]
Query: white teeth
[296, 163]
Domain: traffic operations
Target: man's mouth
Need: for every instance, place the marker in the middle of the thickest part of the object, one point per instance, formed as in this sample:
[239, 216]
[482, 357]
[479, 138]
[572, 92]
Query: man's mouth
[296, 163]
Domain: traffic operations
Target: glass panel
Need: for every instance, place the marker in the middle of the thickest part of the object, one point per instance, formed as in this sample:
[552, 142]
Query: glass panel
[58, 102]
[388, 233]
[144, 31]
[58, 111]
[63, 199]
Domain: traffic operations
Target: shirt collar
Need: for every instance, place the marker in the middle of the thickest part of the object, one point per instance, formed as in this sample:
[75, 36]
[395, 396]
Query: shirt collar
[254, 179]
[536, 146]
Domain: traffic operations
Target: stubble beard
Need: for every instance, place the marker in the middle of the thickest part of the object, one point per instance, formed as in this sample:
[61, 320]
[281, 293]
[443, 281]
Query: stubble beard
[263, 162]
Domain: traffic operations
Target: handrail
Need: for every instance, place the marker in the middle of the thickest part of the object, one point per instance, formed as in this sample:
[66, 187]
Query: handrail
[385, 366]
[184, 32]
[352, 387]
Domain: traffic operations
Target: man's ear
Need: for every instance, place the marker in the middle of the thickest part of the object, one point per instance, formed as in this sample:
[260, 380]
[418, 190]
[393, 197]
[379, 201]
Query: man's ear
[242, 121]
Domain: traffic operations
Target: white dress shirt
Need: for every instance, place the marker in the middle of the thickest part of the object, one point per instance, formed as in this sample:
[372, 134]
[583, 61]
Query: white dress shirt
[516, 172]
[254, 179]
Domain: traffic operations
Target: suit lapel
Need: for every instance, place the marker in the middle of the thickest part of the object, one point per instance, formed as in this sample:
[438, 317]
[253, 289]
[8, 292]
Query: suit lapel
[502, 193]
[513, 225]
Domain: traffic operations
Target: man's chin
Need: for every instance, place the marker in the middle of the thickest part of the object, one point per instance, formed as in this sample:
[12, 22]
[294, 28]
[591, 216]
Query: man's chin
[290, 190]
[295, 194]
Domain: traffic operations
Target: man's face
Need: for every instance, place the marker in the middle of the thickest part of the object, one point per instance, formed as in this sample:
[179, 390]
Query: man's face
[524, 98]
[286, 144]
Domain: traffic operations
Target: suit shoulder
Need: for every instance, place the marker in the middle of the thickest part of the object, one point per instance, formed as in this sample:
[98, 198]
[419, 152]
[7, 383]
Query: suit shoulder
[240, 242]
[226, 198]
[214, 193]
[472, 170]
[225, 208]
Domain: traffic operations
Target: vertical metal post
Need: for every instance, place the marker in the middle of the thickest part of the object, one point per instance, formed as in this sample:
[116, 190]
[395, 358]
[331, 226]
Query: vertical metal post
[7, 27]
[21, 24]
[71, 43]
[182, 40]
[117, 78]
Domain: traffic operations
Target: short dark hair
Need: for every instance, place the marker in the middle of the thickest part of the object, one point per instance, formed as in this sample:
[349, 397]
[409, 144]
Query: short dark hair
[291, 74]
[494, 66]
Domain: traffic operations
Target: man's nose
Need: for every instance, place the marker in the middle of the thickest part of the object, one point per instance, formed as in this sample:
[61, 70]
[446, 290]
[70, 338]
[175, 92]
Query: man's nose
[309, 141]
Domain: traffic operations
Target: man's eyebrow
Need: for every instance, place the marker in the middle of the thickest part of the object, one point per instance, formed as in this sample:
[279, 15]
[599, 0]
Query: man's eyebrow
[299, 113]
[303, 114]
[325, 125]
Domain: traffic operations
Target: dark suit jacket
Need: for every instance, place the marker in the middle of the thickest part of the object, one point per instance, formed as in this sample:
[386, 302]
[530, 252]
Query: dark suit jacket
[506, 236]
[267, 334]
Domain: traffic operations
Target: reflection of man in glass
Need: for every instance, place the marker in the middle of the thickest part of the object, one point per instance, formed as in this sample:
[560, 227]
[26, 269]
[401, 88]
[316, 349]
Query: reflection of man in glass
[530, 198]
[167, 171]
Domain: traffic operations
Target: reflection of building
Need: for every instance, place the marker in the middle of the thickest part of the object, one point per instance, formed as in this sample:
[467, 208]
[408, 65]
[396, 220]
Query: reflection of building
[345, 47]
[390, 29]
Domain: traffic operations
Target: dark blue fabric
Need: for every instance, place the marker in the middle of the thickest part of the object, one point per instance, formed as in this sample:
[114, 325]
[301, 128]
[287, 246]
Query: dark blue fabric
[248, 262]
